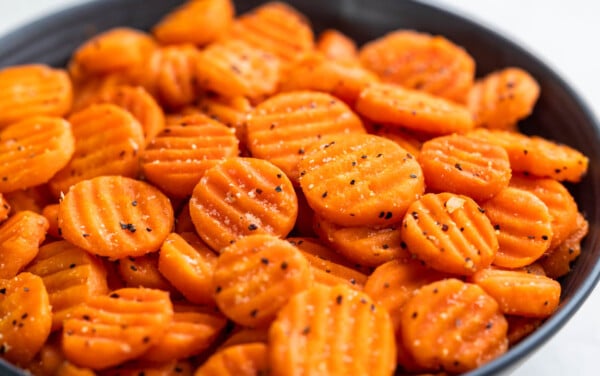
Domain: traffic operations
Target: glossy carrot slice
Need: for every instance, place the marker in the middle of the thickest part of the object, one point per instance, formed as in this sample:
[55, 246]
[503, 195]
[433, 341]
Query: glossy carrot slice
[135, 218]
[20, 238]
[256, 276]
[360, 180]
[87, 89]
[174, 76]
[183, 222]
[449, 233]
[327, 329]
[336, 45]
[246, 335]
[250, 359]
[557, 262]
[33, 90]
[32, 199]
[50, 212]
[520, 327]
[110, 329]
[242, 196]
[232, 112]
[143, 271]
[405, 139]
[25, 317]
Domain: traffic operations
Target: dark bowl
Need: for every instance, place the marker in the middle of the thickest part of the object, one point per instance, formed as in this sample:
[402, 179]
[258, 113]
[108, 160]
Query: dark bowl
[559, 114]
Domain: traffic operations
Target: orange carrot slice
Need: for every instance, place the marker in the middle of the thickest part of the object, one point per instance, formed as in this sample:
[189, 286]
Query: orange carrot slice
[246, 335]
[49, 359]
[174, 76]
[70, 369]
[250, 359]
[50, 212]
[405, 139]
[143, 271]
[4, 208]
[32, 199]
[232, 112]
[520, 327]
[336, 45]
[138, 367]
[304, 221]
[183, 222]
[557, 262]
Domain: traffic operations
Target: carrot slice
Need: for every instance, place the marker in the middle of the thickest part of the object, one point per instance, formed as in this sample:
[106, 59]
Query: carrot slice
[360, 180]
[33, 150]
[136, 217]
[232, 112]
[25, 317]
[143, 368]
[410, 109]
[32, 199]
[183, 222]
[520, 327]
[173, 75]
[462, 165]
[557, 262]
[246, 335]
[421, 61]
[71, 276]
[70, 369]
[33, 90]
[110, 329]
[256, 276]
[450, 233]
[49, 359]
[20, 238]
[327, 329]
[250, 359]
[143, 271]
[454, 326]
[336, 45]
[405, 139]
[50, 212]
[242, 196]
[87, 89]
[304, 221]
[518, 293]
[4, 208]
[107, 142]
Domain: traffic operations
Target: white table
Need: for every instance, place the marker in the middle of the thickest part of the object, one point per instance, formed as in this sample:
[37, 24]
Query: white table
[564, 34]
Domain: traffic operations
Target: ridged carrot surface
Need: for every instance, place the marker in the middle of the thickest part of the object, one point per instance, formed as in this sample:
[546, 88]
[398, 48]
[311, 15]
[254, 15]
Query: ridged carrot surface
[326, 330]
[174, 75]
[557, 261]
[232, 112]
[32, 199]
[88, 89]
[115, 216]
[404, 138]
[250, 359]
[336, 45]
[20, 238]
[242, 196]
[142, 271]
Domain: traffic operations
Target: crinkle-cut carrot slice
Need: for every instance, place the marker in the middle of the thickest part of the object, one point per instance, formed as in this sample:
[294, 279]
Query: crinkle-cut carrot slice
[518, 293]
[87, 89]
[364, 245]
[50, 212]
[108, 330]
[234, 68]
[33, 150]
[421, 61]
[173, 75]
[249, 359]
[256, 276]
[108, 140]
[242, 196]
[314, 71]
[143, 368]
[25, 317]
[71, 276]
[326, 330]
[32, 199]
[405, 139]
[336, 45]
[33, 90]
[115, 216]
[502, 98]
[20, 238]
[523, 226]
[317, 248]
[557, 261]
[449, 233]
[143, 271]
[232, 112]
[48, 359]
[180, 154]
[360, 180]
[534, 155]
[560, 203]
[183, 222]
[520, 327]
[246, 335]
[4, 208]
[328, 270]
[197, 22]
[411, 109]
[283, 127]
[188, 264]
[462, 165]
[304, 222]
[191, 331]
[69, 369]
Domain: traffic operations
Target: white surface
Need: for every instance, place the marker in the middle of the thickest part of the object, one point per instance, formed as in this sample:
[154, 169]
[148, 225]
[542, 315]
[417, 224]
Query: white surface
[564, 34]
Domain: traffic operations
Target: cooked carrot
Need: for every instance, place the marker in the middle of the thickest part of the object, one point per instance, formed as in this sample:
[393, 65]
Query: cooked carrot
[242, 196]
[188, 264]
[520, 327]
[557, 261]
[20, 238]
[336, 45]
[173, 72]
[462, 165]
[143, 271]
[183, 222]
[421, 61]
[360, 180]
[502, 98]
[110, 329]
[255, 277]
[32, 199]
[70, 369]
[71, 276]
[249, 359]
[143, 368]
[33, 90]
[450, 233]
[50, 212]
[180, 155]
[246, 335]
[304, 221]
[283, 127]
[453, 326]
[135, 218]
[325, 330]
[522, 294]
[405, 139]
[49, 359]
[4, 208]
[411, 109]
[88, 89]
[26, 318]
[232, 112]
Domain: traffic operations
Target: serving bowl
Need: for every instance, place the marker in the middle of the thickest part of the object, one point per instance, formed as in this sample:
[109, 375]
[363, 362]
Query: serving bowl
[559, 114]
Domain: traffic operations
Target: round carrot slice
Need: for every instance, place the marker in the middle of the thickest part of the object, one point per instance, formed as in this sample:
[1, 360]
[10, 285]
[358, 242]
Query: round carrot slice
[284, 126]
[50, 212]
[242, 196]
[249, 359]
[174, 76]
[450, 233]
[33, 150]
[143, 271]
[454, 326]
[520, 327]
[462, 165]
[49, 359]
[336, 45]
[405, 139]
[327, 329]
[360, 180]
[557, 262]
[33, 90]
[256, 276]
[25, 317]
[32, 199]
[115, 216]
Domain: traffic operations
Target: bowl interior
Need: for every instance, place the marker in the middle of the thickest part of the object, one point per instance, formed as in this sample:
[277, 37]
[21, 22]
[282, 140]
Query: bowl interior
[559, 114]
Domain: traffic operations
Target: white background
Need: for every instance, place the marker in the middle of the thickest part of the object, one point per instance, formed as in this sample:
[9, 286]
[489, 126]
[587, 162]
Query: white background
[564, 34]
